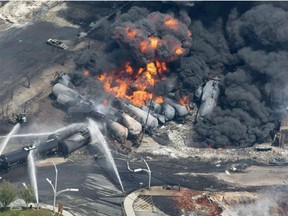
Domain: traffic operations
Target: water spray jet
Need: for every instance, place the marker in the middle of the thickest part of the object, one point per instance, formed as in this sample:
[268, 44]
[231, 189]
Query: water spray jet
[32, 174]
[14, 130]
[96, 135]
[28, 135]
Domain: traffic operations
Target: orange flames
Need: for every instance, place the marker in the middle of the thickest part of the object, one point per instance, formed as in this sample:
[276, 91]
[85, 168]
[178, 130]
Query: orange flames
[185, 102]
[171, 23]
[128, 68]
[131, 33]
[135, 85]
[154, 42]
[174, 24]
[179, 51]
[151, 43]
[158, 100]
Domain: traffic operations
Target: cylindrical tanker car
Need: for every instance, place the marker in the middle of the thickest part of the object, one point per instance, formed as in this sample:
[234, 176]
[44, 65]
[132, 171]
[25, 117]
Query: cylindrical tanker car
[47, 148]
[70, 138]
[66, 132]
[65, 140]
[74, 142]
[14, 158]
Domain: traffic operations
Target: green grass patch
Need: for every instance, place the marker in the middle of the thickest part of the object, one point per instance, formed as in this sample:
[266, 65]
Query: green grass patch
[28, 212]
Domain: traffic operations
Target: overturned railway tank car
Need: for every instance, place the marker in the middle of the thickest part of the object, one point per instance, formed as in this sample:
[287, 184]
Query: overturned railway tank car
[74, 142]
[70, 138]
[46, 148]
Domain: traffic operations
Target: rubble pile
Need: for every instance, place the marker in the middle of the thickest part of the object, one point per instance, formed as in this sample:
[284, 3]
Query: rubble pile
[196, 203]
[174, 134]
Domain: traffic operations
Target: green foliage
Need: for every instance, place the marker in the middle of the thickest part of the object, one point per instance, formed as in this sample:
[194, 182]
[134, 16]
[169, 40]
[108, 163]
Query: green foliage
[27, 194]
[7, 193]
[29, 212]
[15, 213]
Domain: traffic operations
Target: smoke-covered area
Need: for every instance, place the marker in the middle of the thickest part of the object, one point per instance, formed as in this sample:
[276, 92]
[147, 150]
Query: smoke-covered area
[259, 208]
[271, 202]
[254, 67]
[264, 26]
[209, 53]
[245, 45]
[152, 36]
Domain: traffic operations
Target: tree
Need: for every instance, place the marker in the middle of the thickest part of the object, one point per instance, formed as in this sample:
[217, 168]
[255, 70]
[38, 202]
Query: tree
[7, 193]
[27, 194]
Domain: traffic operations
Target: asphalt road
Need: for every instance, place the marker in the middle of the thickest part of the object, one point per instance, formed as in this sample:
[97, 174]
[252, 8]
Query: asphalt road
[99, 189]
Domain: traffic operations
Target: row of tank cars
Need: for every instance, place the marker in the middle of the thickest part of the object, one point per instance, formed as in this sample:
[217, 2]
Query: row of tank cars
[63, 141]
[70, 138]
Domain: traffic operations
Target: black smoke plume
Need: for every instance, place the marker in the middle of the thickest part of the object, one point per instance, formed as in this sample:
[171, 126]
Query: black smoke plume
[243, 44]
[135, 30]
[247, 109]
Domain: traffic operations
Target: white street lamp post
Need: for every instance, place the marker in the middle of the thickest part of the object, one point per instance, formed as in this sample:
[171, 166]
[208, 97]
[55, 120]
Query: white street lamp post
[140, 169]
[55, 193]
[149, 173]
[67, 189]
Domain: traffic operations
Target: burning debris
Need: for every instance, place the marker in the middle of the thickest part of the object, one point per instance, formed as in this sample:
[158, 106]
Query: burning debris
[135, 85]
[153, 36]
[148, 57]
[123, 120]
[151, 40]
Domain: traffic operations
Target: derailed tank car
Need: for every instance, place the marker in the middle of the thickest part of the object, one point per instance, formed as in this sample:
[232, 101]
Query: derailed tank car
[209, 98]
[48, 147]
[74, 142]
[14, 158]
[70, 138]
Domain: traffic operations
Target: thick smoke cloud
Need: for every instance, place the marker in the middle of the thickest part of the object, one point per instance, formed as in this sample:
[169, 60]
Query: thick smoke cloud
[210, 52]
[241, 118]
[246, 110]
[271, 64]
[152, 36]
[263, 25]
[246, 48]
